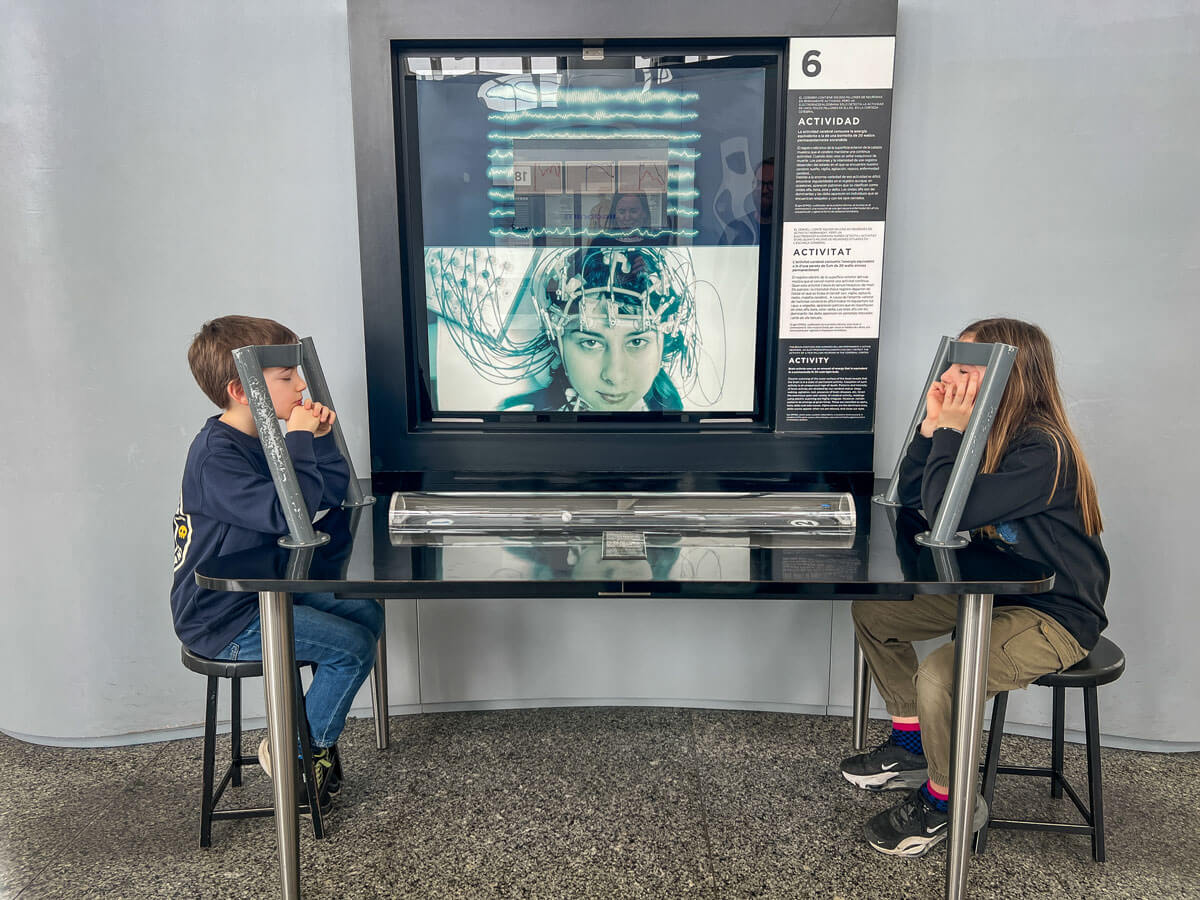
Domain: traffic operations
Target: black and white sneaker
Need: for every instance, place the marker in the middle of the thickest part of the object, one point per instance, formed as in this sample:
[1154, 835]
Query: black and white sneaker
[333, 783]
[889, 767]
[913, 826]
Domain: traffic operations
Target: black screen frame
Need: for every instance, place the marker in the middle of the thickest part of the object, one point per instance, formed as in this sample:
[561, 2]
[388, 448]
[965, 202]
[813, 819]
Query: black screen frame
[767, 53]
[719, 457]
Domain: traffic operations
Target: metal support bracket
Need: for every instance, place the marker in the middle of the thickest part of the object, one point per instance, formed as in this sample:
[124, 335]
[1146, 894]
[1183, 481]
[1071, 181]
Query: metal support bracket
[250, 362]
[998, 359]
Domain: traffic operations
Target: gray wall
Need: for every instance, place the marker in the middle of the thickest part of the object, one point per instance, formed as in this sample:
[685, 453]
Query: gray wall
[163, 163]
[1044, 166]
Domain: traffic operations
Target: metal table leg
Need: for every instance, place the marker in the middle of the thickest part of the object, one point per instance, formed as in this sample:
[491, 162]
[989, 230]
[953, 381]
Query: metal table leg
[970, 685]
[379, 691]
[279, 664]
[862, 697]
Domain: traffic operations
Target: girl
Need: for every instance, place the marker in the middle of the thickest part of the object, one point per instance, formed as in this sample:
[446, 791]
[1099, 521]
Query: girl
[628, 222]
[1035, 497]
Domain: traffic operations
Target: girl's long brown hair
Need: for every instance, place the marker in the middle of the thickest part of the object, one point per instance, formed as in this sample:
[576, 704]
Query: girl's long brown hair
[1032, 400]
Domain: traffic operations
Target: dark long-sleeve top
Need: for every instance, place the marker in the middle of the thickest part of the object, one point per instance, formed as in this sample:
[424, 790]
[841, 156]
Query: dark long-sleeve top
[1016, 501]
[228, 503]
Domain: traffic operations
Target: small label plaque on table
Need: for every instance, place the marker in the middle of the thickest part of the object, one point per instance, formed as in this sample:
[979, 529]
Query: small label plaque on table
[624, 545]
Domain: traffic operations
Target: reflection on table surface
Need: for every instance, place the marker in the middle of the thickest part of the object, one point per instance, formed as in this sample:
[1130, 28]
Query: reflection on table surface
[582, 557]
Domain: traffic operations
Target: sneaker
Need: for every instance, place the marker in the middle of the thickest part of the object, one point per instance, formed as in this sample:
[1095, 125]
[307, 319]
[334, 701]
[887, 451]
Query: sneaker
[889, 767]
[334, 780]
[322, 759]
[324, 765]
[913, 826]
[264, 756]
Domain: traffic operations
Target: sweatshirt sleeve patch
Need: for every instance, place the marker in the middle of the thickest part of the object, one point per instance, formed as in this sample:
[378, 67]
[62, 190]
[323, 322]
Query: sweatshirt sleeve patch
[183, 534]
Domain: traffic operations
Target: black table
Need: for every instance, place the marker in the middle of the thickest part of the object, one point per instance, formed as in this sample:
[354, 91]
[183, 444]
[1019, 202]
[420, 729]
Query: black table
[880, 561]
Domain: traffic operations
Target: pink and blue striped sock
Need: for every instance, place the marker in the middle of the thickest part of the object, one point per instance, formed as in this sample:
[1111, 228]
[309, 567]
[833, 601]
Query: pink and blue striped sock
[908, 736]
[937, 800]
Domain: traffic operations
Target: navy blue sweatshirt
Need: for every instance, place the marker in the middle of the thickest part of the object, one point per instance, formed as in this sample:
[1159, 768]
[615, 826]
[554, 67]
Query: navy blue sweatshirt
[228, 503]
[1013, 500]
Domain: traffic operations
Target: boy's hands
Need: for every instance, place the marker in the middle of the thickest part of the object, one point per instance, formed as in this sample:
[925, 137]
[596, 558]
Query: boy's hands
[958, 402]
[313, 417]
[324, 416]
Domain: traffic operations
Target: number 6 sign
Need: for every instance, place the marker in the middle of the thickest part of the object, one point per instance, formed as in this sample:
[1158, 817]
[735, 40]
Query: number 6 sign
[852, 63]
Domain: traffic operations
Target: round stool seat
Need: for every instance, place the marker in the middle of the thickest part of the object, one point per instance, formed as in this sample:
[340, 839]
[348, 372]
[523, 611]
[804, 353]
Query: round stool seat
[222, 668]
[226, 668]
[1103, 665]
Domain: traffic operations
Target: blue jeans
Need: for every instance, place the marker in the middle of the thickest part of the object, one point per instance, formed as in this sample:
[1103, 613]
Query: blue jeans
[339, 635]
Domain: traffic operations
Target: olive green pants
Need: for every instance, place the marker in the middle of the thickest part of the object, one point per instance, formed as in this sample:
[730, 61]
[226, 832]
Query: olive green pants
[1025, 645]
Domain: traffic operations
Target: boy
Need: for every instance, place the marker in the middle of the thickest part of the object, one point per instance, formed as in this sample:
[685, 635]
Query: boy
[228, 503]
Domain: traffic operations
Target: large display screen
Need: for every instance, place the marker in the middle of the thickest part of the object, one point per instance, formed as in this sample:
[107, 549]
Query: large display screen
[593, 230]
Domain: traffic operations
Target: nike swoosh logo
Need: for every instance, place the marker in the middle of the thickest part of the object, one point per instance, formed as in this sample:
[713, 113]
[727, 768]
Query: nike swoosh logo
[934, 830]
[889, 766]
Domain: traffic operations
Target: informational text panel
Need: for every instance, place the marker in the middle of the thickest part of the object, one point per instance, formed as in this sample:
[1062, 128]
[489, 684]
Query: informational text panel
[834, 197]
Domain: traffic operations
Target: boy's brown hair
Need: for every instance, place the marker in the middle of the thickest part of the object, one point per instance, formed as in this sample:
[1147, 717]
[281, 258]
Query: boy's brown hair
[211, 353]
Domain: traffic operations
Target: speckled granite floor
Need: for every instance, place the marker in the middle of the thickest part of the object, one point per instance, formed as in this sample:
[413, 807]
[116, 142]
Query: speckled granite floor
[563, 803]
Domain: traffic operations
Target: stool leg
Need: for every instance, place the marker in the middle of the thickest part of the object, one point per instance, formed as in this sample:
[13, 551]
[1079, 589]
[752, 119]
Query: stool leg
[862, 697]
[1058, 739]
[310, 781]
[235, 730]
[991, 762]
[1091, 715]
[379, 691]
[210, 753]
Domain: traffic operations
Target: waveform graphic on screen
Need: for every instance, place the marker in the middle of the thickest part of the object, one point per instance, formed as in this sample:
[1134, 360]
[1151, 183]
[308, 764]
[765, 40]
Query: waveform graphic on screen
[566, 232]
[631, 97]
[587, 134]
[598, 116]
[644, 145]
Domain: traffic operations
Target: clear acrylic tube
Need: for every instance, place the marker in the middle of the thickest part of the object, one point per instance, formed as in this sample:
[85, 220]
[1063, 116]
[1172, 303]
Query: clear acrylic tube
[466, 513]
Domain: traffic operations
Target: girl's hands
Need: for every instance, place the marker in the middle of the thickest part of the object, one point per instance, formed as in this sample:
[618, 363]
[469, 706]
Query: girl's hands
[957, 404]
[933, 407]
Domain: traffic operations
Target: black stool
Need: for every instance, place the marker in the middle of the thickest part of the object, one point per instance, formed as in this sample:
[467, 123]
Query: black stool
[1103, 665]
[235, 671]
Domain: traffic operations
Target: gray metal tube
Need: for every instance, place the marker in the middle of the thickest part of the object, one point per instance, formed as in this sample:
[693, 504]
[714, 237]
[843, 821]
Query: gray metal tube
[943, 533]
[970, 688]
[299, 561]
[279, 664]
[379, 691]
[862, 696]
[945, 563]
[891, 497]
[279, 461]
[318, 387]
[285, 356]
